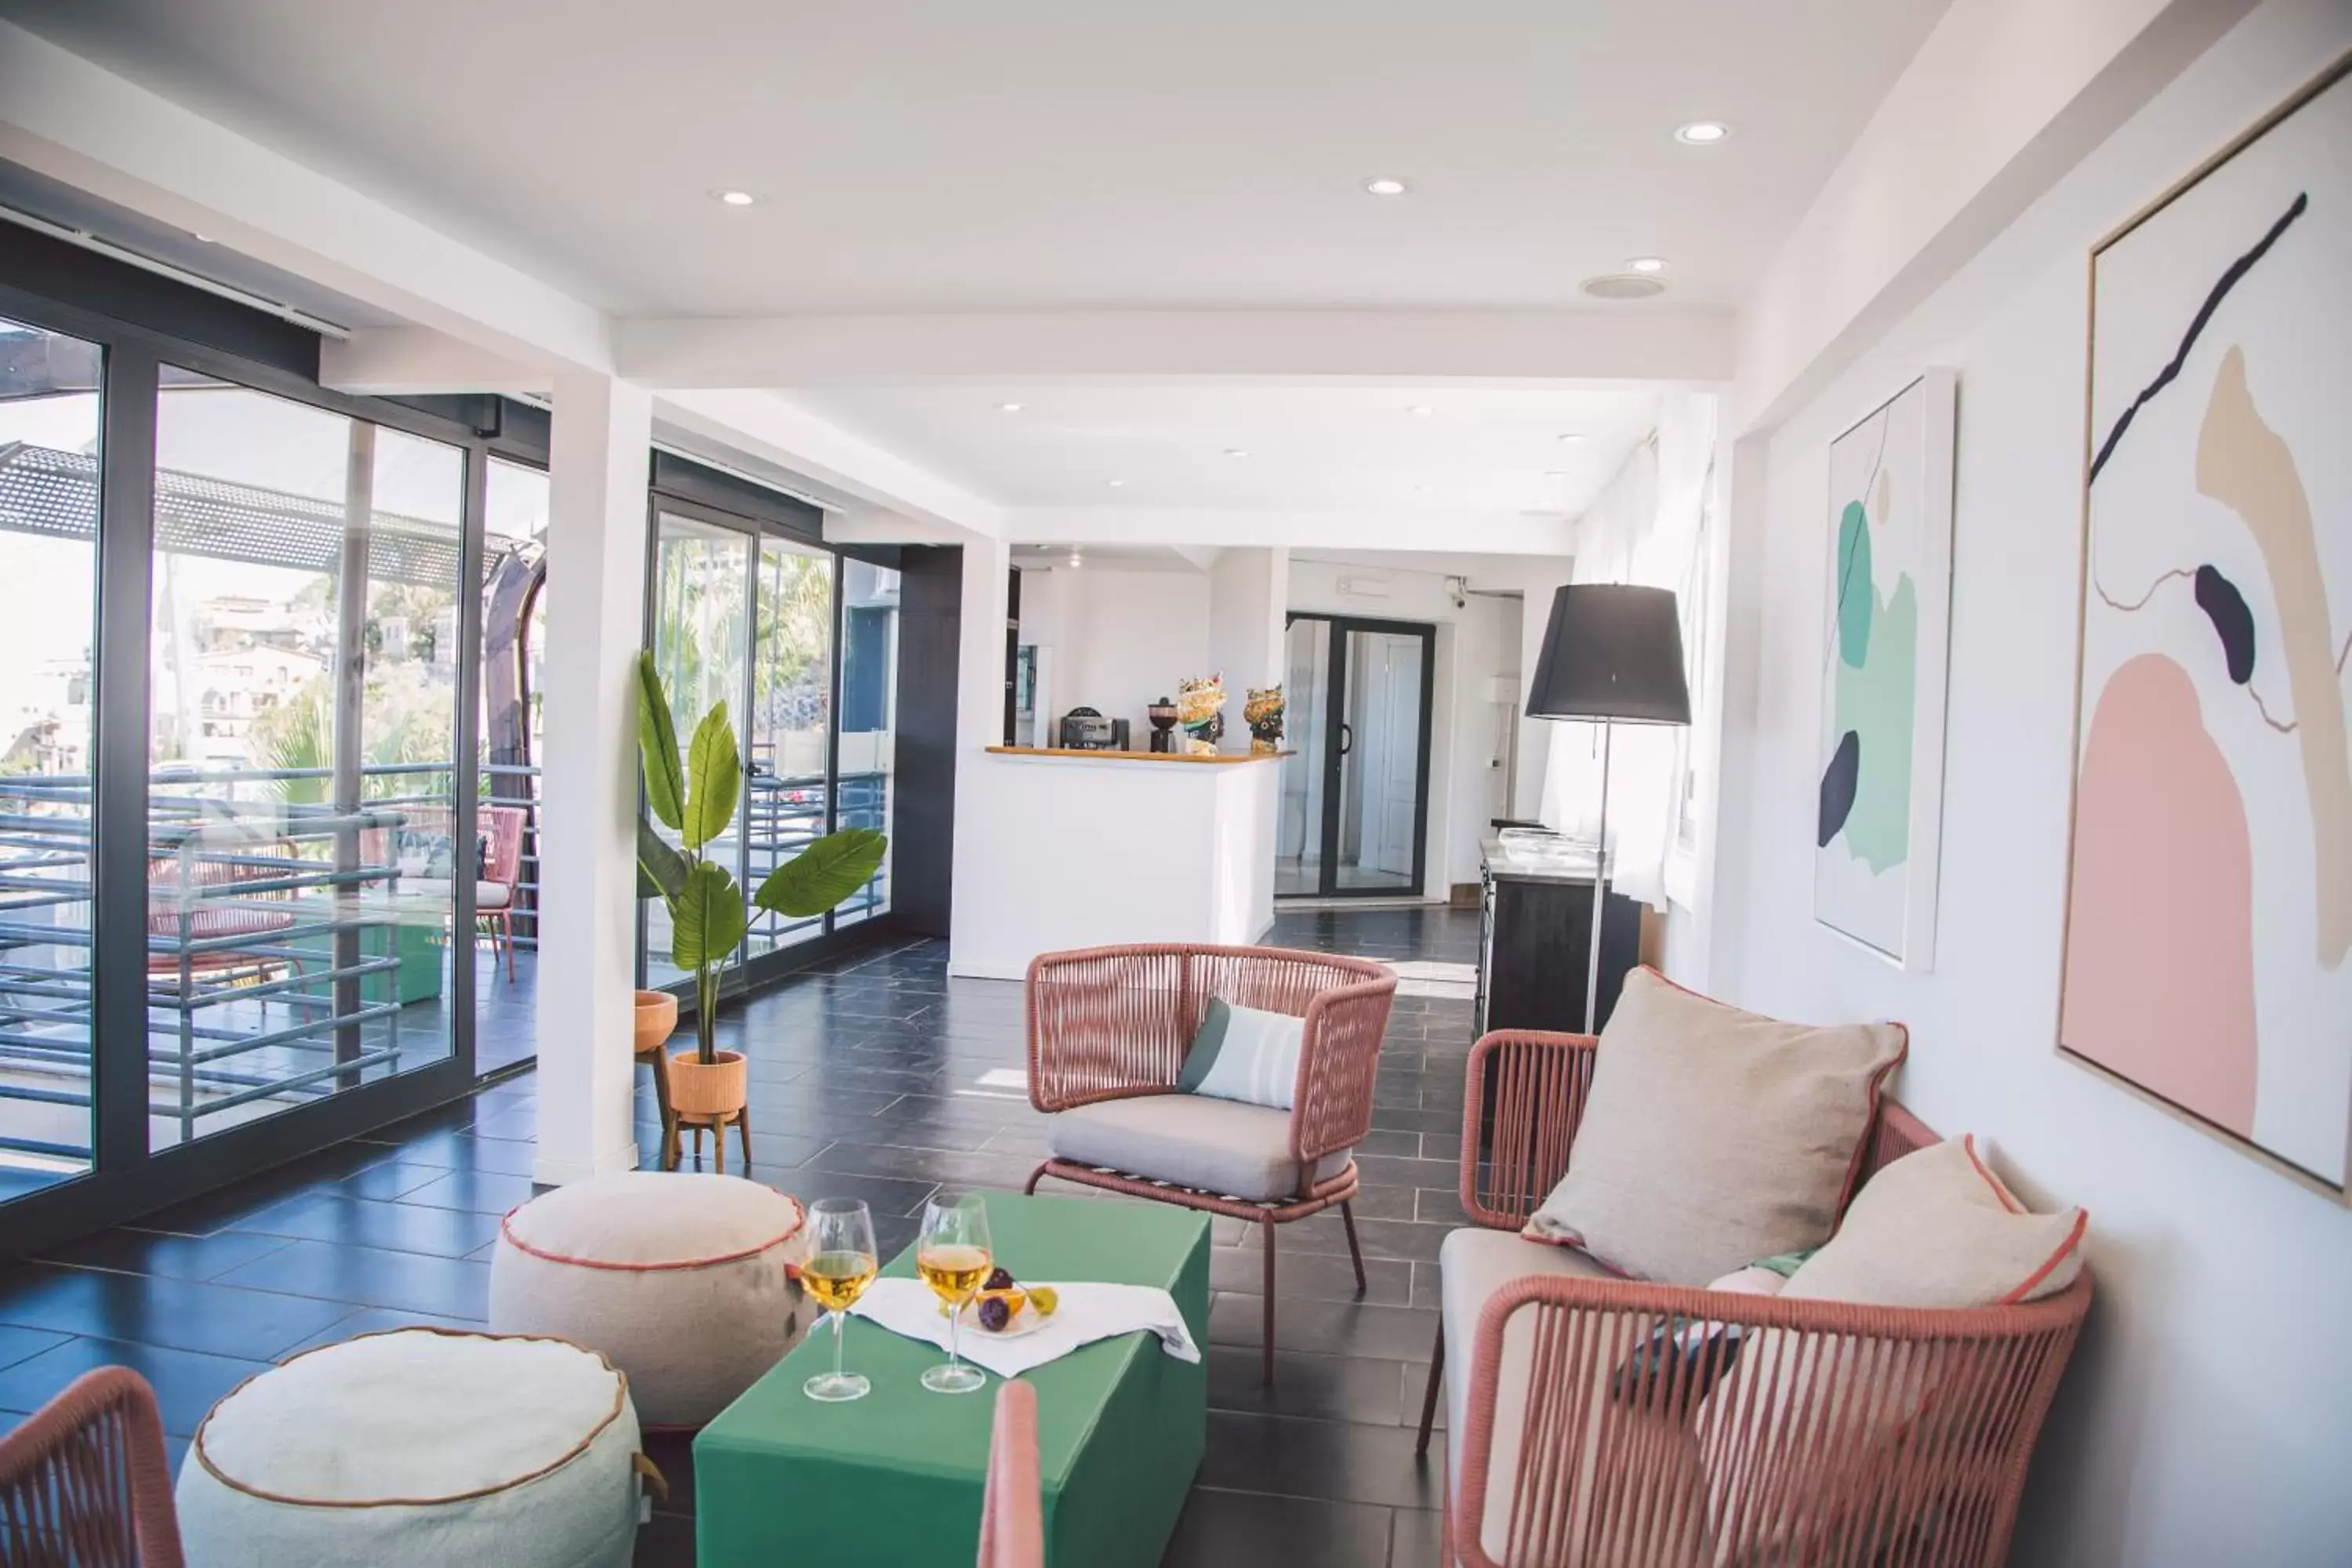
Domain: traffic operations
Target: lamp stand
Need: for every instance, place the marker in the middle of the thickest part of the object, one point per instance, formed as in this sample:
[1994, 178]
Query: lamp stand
[1600, 882]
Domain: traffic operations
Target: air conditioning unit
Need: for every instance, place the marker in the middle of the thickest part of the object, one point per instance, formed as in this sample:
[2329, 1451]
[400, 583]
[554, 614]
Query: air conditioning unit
[1365, 587]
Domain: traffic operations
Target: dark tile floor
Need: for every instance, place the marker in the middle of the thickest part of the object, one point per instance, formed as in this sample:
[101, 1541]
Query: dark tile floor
[866, 1082]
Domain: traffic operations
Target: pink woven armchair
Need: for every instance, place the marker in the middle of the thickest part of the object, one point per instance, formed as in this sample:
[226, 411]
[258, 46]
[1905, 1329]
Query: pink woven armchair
[1603, 1420]
[84, 1481]
[1109, 1029]
[1012, 1511]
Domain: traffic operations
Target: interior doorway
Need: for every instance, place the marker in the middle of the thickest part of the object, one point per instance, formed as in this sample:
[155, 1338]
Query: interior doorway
[1355, 793]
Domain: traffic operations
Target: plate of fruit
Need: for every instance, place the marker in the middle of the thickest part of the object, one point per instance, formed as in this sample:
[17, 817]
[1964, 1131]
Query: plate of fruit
[1005, 1309]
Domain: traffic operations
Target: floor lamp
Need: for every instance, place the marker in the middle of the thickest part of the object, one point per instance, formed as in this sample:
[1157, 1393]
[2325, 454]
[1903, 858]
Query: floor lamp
[1613, 654]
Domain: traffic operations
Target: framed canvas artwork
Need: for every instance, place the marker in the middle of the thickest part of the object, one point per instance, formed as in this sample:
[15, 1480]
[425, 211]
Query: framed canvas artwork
[2209, 914]
[1884, 646]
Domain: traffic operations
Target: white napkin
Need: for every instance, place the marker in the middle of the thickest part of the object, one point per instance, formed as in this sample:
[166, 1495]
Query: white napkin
[1086, 1312]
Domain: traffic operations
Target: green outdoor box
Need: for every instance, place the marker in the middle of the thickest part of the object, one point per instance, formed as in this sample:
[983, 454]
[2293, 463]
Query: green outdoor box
[896, 1477]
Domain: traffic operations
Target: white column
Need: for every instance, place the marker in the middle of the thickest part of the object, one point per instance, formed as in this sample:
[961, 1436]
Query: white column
[980, 723]
[1249, 589]
[587, 924]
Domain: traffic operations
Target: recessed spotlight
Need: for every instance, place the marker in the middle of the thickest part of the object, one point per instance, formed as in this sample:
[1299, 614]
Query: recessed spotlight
[1114, 484]
[1702, 132]
[1647, 264]
[1421, 411]
[1624, 286]
[1010, 407]
[201, 237]
[1386, 187]
[1573, 438]
[1421, 489]
[1556, 473]
[736, 198]
[1077, 560]
[1236, 451]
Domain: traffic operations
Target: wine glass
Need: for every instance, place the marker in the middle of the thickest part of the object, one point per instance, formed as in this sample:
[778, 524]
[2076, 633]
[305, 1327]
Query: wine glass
[840, 1265]
[953, 1257]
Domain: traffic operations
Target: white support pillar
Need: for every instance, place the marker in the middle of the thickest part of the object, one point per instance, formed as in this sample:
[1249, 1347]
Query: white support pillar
[587, 925]
[980, 722]
[1249, 589]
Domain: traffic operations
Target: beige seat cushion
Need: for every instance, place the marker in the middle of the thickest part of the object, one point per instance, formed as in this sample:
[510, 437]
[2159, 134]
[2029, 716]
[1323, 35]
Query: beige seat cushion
[1219, 1146]
[419, 1448]
[1472, 1266]
[620, 1262]
[1714, 1137]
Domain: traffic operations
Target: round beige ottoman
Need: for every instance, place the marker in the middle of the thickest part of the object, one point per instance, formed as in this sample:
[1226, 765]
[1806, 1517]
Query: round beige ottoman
[689, 1283]
[420, 1447]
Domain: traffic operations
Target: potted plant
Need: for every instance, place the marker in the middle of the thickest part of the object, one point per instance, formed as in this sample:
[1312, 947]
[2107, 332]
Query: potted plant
[694, 797]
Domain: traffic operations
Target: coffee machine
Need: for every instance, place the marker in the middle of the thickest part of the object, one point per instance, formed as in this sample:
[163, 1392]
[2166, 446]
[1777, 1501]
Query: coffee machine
[1084, 730]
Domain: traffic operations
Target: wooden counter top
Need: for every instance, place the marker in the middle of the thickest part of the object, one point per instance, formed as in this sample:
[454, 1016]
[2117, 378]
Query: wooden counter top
[1083, 754]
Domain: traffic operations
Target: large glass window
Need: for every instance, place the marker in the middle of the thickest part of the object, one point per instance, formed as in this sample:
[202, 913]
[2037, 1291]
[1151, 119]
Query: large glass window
[869, 716]
[792, 673]
[49, 397]
[304, 847]
[514, 605]
[702, 579]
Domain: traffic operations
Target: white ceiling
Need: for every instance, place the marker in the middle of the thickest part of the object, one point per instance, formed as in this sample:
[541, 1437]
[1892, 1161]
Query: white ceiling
[922, 155]
[1484, 450]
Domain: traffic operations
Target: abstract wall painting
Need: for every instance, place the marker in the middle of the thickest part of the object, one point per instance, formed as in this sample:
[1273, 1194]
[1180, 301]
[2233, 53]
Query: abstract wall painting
[1881, 764]
[2209, 917]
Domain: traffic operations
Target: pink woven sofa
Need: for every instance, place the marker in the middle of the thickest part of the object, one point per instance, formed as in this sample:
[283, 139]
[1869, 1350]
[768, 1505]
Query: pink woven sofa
[1109, 1028]
[1860, 1433]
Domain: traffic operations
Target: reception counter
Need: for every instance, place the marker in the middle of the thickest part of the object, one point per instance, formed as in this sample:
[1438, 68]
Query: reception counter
[1058, 850]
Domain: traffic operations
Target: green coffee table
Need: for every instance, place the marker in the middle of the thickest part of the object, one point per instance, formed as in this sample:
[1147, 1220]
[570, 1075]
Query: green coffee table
[896, 1477]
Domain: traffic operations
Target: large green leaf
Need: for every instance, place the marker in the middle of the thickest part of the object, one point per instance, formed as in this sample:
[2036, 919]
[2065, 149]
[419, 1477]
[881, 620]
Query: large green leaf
[716, 770]
[657, 744]
[705, 917]
[823, 874]
[661, 870]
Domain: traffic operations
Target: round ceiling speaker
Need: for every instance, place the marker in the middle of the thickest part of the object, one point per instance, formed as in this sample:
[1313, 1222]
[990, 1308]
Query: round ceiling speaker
[1623, 286]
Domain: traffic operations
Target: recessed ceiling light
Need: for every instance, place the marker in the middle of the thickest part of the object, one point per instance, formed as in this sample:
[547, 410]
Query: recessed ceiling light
[1421, 411]
[1556, 473]
[1385, 186]
[1421, 489]
[1647, 264]
[1623, 286]
[1573, 438]
[1702, 132]
[736, 198]
[1236, 451]
[1114, 483]
[1077, 560]
[1010, 407]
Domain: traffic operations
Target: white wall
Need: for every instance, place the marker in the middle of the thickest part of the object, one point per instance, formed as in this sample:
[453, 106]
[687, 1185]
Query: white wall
[1247, 588]
[1120, 640]
[2208, 1416]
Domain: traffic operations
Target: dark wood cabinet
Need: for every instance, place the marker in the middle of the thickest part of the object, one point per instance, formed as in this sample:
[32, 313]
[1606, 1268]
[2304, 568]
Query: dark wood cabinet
[1535, 936]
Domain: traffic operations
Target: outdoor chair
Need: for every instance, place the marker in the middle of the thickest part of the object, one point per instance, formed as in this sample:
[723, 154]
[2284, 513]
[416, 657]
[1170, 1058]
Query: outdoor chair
[1575, 1434]
[1108, 1030]
[85, 1480]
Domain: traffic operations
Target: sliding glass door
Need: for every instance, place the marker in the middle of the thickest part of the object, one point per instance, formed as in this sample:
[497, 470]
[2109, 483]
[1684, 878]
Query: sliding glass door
[49, 425]
[1354, 815]
[787, 796]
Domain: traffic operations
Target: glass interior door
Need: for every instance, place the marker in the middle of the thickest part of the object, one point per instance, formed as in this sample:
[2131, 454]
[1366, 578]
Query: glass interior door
[1352, 817]
[1298, 829]
[701, 595]
[1381, 768]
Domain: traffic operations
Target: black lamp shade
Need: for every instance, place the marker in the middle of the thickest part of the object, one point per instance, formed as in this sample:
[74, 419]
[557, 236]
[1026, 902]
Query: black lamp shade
[1613, 651]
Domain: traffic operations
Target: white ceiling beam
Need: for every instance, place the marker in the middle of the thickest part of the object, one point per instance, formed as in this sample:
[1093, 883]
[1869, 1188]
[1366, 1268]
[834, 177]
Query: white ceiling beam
[412, 362]
[1508, 533]
[2001, 100]
[834, 460]
[74, 122]
[1295, 347]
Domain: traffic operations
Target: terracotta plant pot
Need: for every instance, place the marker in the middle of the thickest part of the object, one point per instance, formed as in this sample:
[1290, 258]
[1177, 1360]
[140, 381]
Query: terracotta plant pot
[717, 1089]
[656, 1019]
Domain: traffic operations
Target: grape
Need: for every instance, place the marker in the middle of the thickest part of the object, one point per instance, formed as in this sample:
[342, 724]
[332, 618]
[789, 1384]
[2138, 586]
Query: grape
[994, 1314]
